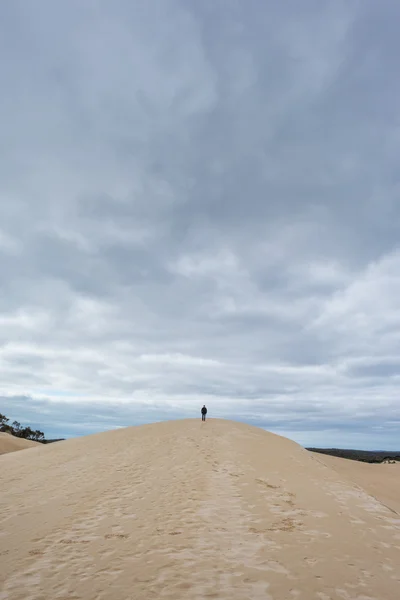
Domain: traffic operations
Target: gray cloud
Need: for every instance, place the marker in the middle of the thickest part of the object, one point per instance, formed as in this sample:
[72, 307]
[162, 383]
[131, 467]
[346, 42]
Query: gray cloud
[198, 203]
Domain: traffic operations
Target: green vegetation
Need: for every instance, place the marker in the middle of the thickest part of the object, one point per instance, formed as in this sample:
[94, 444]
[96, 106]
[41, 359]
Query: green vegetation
[360, 455]
[18, 430]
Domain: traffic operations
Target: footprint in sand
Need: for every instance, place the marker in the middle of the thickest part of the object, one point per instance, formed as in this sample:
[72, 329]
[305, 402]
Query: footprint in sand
[286, 524]
[74, 541]
[268, 485]
[36, 552]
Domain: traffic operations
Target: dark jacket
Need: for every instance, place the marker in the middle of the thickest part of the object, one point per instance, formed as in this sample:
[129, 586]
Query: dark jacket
[204, 410]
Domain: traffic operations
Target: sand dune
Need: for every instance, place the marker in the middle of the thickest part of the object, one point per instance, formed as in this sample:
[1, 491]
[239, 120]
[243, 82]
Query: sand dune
[190, 510]
[10, 443]
[380, 480]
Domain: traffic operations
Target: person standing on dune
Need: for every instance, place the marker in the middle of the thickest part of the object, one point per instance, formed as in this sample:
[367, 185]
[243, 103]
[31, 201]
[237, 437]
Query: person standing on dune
[203, 413]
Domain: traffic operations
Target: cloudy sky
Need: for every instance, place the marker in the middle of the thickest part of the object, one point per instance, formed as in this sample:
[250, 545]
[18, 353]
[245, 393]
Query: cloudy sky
[200, 203]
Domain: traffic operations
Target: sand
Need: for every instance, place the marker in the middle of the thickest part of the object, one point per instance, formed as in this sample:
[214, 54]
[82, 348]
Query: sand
[10, 443]
[190, 510]
[380, 480]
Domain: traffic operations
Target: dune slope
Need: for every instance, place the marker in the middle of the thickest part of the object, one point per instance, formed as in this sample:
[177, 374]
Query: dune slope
[10, 443]
[190, 510]
[380, 480]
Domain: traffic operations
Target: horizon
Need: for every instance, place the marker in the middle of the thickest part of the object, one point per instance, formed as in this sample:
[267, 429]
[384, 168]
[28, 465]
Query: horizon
[61, 437]
[199, 204]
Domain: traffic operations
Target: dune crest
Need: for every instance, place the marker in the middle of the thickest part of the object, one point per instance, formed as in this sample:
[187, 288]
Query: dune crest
[190, 510]
[10, 443]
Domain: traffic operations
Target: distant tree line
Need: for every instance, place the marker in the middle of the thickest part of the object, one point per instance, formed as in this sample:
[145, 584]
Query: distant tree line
[18, 430]
[361, 455]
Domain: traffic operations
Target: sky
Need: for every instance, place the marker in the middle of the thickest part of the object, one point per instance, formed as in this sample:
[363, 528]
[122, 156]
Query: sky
[200, 203]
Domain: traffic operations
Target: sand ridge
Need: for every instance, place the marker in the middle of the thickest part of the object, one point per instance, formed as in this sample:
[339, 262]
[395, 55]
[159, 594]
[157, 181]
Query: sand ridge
[11, 443]
[190, 510]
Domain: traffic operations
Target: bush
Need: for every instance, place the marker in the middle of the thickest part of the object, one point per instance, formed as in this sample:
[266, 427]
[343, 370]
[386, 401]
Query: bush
[360, 455]
[17, 430]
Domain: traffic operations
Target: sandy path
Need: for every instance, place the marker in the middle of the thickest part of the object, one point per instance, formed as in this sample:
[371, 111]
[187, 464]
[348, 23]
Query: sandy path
[190, 510]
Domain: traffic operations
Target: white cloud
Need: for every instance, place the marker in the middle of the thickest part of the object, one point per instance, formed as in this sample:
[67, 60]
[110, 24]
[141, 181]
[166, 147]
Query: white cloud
[198, 203]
